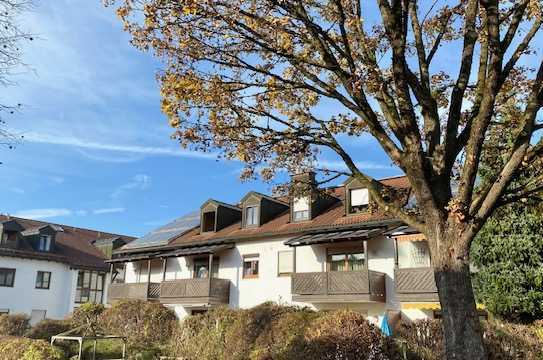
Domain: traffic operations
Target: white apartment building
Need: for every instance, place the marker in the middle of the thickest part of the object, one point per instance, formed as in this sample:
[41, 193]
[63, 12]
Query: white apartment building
[325, 250]
[48, 269]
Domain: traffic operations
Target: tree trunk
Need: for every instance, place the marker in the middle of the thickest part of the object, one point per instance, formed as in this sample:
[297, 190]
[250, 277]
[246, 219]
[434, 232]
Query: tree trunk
[461, 327]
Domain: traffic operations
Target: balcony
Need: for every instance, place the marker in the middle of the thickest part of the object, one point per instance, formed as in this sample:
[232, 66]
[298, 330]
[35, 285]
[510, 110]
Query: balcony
[415, 284]
[183, 291]
[195, 291]
[339, 286]
[139, 291]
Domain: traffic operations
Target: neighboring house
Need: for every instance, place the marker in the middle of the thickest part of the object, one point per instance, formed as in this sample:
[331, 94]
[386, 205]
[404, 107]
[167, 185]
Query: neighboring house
[48, 269]
[329, 249]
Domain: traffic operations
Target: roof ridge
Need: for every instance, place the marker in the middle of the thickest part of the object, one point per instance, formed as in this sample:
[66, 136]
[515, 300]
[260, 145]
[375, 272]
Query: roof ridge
[43, 223]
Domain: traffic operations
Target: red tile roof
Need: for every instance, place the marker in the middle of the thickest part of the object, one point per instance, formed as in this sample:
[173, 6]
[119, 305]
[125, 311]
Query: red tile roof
[73, 245]
[330, 218]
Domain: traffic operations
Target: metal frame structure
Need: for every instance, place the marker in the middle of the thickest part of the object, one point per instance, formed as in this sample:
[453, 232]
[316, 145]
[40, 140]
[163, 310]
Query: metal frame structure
[70, 336]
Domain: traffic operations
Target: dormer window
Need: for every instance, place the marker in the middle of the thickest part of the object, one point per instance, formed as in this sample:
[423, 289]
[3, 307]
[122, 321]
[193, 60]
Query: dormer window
[45, 243]
[359, 200]
[208, 221]
[251, 216]
[300, 211]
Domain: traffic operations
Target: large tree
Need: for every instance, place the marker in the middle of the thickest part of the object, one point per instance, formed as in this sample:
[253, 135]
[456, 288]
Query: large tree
[273, 82]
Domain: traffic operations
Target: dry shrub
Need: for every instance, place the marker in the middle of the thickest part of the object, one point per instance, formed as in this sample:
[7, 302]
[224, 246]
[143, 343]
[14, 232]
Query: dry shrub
[202, 336]
[424, 339]
[87, 317]
[14, 325]
[346, 334]
[512, 341]
[47, 328]
[270, 331]
[19, 348]
[504, 341]
[147, 325]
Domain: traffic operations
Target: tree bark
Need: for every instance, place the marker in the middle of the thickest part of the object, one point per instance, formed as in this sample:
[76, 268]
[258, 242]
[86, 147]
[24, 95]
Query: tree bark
[461, 326]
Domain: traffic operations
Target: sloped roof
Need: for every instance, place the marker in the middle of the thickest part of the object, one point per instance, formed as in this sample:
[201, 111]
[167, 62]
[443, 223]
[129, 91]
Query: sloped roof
[331, 218]
[73, 245]
[164, 234]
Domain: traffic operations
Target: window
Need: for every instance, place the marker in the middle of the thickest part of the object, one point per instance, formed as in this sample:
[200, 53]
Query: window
[43, 280]
[419, 254]
[347, 260]
[251, 216]
[90, 287]
[7, 277]
[284, 263]
[250, 266]
[359, 200]
[208, 221]
[4, 312]
[45, 243]
[300, 209]
[201, 268]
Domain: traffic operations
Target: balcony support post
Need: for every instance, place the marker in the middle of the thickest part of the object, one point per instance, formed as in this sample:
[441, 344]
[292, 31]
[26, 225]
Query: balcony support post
[148, 271]
[210, 273]
[164, 265]
[111, 273]
[294, 260]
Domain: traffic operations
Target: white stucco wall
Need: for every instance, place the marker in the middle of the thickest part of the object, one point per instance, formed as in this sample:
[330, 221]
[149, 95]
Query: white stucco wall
[23, 297]
[269, 286]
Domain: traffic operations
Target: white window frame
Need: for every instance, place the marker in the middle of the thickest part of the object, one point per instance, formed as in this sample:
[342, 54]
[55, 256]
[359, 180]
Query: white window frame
[251, 220]
[45, 242]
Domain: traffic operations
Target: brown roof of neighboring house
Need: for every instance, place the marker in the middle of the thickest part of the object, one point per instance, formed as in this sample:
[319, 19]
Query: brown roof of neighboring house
[73, 245]
[331, 218]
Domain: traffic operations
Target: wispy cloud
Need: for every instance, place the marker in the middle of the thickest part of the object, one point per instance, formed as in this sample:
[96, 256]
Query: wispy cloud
[17, 190]
[109, 210]
[43, 213]
[54, 139]
[138, 182]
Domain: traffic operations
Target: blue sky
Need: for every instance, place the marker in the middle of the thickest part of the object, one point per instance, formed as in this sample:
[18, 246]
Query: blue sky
[97, 152]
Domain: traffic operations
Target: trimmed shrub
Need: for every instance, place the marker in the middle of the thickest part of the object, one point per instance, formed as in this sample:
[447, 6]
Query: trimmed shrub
[19, 348]
[87, 316]
[270, 331]
[47, 328]
[346, 334]
[14, 325]
[147, 325]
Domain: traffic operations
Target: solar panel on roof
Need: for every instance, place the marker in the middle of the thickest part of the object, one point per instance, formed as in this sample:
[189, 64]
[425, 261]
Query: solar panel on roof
[165, 233]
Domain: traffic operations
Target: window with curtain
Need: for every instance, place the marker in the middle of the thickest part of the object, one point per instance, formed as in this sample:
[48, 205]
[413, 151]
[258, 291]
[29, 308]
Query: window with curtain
[45, 243]
[300, 209]
[284, 262]
[7, 277]
[250, 266]
[43, 279]
[251, 216]
[360, 200]
[347, 260]
[201, 268]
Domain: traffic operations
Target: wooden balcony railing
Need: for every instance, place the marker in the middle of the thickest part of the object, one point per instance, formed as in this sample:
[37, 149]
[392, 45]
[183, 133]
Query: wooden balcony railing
[189, 291]
[415, 284]
[141, 291]
[182, 291]
[342, 286]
